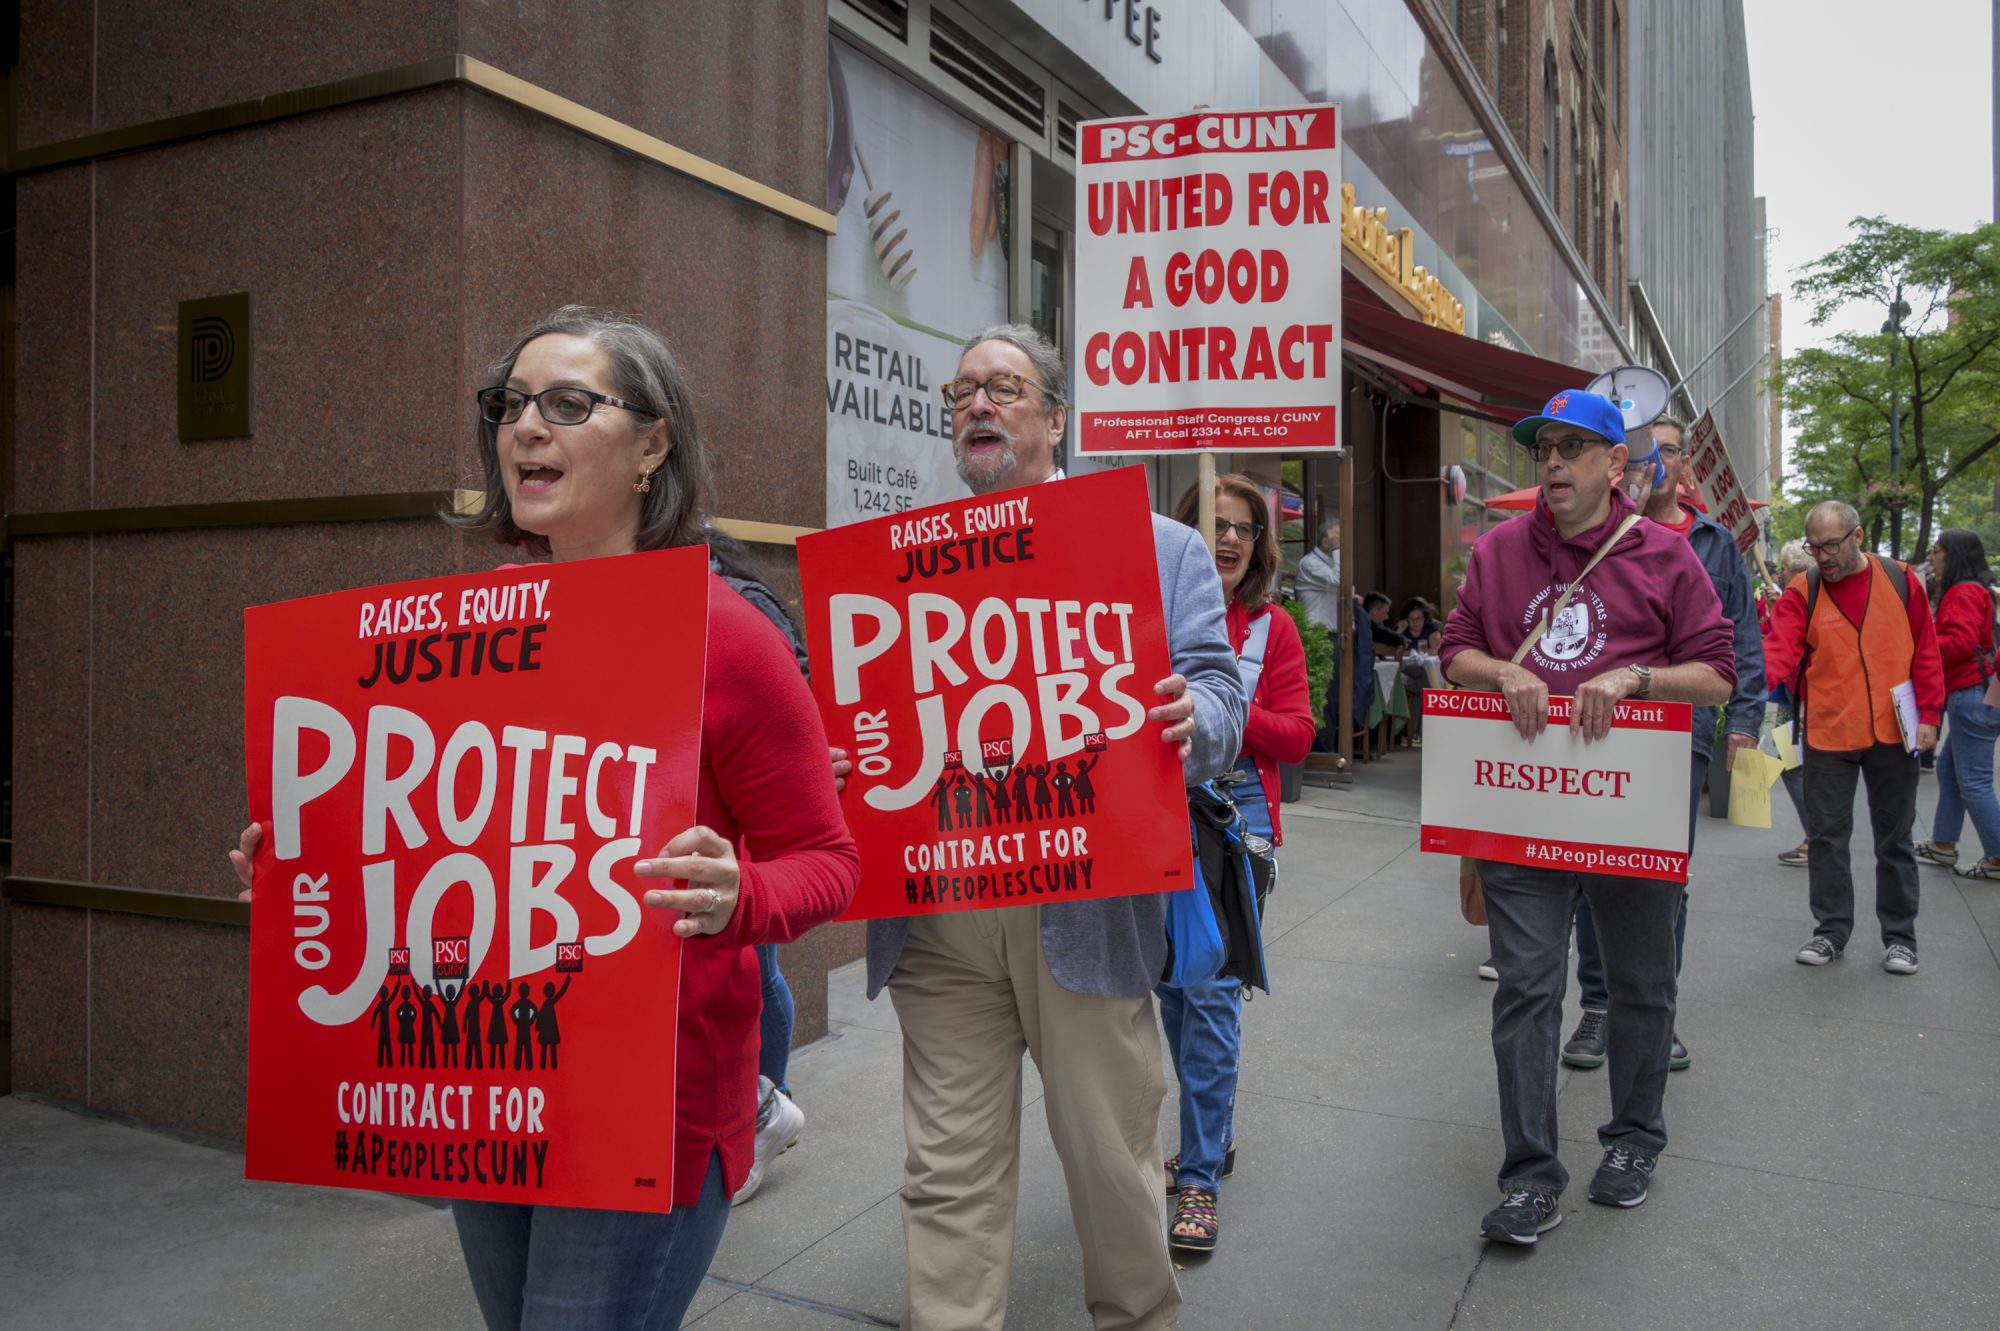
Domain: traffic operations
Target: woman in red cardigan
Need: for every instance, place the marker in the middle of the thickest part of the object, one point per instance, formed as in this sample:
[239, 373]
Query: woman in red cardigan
[1204, 1021]
[590, 449]
[1965, 763]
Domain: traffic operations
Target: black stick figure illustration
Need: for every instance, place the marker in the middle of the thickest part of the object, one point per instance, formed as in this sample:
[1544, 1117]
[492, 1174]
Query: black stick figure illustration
[523, 1013]
[380, 1019]
[983, 813]
[1002, 810]
[941, 797]
[448, 1021]
[1063, 781]
[474, 1032]
[496, 1025]
[427, 1050]
[406, 1027]
[961, 794]
[1021, 774]
[546, 1030]
[1086, 790]
[1042, 800]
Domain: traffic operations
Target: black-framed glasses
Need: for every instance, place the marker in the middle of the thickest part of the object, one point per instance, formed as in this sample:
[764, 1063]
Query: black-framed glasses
[1002, 390]
[1246, 532]
[1571, 446]
[1672, 450]
[1828, 547]
[559, 406]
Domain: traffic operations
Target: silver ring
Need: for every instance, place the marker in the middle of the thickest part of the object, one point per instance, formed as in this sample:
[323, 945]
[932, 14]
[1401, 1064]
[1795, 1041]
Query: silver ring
[714, 900]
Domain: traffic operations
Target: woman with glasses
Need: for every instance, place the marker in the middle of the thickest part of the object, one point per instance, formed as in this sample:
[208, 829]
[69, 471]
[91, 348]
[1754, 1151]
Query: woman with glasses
[1422, 632]
[1204, 1020]
[1965, 761]
[588, 445]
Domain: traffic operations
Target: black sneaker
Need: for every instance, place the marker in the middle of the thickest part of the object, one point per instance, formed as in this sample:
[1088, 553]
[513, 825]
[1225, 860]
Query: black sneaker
[1817, 952]
[1678, 1060]
[1586, 1048]
[1523, 1216]
[1901, 959]
[1623, 1177]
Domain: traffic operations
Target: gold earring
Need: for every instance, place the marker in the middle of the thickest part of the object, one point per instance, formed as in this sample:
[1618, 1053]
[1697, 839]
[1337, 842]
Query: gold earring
[644, 484]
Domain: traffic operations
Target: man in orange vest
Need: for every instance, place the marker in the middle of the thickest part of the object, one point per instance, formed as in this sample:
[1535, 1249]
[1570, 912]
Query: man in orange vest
[1844, 635]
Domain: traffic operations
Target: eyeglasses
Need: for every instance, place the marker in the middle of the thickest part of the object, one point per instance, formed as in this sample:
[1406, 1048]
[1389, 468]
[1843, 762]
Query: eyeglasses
[559, 406]
[1002, 390]
[1829, 547]
[1672, 450]
[1246, 532]
[1570, 446]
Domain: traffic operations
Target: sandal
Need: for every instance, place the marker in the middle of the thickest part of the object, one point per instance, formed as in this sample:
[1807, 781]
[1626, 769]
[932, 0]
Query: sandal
[1989, 870]
[1796, 857]
[1174, 1168]
[1195, 1211]
[1928, 850]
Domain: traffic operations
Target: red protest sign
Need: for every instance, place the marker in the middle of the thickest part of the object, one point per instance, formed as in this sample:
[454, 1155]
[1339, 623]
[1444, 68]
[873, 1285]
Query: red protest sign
[1208, 282]
[965, 655]
[455, 776]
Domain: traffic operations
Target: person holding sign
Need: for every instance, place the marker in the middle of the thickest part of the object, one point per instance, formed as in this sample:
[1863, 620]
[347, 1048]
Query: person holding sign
[1848, 635]
[1204, 1021]
[1965, 760]
[1711, 542]
[1581, 597]
[1071, 984]
[589, 449]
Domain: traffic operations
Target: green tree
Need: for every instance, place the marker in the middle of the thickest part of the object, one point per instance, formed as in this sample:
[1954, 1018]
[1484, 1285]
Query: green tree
[1937, 357]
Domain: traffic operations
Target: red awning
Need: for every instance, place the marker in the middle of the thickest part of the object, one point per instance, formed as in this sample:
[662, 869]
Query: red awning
[1508, 383]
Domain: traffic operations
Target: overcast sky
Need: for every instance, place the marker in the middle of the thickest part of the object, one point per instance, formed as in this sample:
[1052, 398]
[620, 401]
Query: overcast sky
[1868, 107]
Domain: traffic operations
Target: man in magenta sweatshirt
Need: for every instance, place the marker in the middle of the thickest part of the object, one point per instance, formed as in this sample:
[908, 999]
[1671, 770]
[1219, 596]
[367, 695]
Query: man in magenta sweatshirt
[1645, 623]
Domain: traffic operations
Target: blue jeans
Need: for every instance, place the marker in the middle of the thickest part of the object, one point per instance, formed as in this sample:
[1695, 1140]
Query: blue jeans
[1965, 771]
[775, 1027]
[562, 1268]
[1205, 1034]
[1591, 990]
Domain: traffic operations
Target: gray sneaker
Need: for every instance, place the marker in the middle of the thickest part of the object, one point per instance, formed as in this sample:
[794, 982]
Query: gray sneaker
[1623, 1178]
[1900, 960]
[1522, 1217]
[1819, 951]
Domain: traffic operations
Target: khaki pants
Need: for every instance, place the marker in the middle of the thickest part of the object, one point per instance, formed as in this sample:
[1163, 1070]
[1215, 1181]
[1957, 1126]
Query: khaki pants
[972, 992]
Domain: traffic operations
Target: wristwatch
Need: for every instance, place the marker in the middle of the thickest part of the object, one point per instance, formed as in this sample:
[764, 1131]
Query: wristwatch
[1645, 674]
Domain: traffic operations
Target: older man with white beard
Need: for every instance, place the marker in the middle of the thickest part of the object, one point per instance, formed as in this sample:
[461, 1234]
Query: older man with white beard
[1071, 984]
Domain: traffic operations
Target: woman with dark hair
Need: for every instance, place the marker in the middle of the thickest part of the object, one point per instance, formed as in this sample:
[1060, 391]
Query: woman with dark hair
[1965, 762]
[1204, 1021]
[1422, 631]
[588, 445]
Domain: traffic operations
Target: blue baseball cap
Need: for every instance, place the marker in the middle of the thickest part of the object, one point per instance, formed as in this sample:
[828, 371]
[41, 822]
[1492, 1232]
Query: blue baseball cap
[1575, 406]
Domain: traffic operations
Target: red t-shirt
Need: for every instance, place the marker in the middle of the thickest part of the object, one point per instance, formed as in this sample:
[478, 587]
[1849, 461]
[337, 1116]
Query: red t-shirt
[1281, 724]
[1686, 523]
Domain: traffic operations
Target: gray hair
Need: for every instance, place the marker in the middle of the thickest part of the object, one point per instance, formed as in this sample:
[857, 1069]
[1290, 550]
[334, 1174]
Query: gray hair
[646, 374]
[1793, 559]
[1839, 510]
[1675, 423]
[1050, 376]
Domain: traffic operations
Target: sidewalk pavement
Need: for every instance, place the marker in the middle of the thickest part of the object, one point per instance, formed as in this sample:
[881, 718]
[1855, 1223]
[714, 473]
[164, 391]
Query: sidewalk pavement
[1830, 1163]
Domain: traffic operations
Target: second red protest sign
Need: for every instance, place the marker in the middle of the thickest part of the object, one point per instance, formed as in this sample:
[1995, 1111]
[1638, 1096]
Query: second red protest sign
[454, 989]
[989, 664]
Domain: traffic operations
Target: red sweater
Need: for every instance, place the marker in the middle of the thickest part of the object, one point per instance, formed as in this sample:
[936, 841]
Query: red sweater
[1281, 725]
[1785, 645]
[763, 788]
[1964, 635]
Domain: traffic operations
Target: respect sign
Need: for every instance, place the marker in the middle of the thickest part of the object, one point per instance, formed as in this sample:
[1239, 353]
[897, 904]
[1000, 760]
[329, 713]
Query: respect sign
[1616, 806]
[989, 664]
[454, 988]
[1208, 282]
[1709, 461]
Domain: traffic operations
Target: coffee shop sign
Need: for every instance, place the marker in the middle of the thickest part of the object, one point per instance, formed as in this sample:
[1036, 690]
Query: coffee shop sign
[1390, 255]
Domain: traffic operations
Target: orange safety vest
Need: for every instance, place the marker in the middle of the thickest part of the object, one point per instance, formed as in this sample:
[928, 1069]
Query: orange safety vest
[1851, 667]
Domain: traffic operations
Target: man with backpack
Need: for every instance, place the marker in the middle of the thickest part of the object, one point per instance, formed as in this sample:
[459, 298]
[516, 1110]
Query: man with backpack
[1845, 637]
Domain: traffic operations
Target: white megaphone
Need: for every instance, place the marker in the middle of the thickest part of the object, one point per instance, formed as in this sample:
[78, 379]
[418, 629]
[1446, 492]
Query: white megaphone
[1640, 394]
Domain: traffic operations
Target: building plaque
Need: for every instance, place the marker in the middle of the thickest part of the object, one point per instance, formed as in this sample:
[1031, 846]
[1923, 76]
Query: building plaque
[215, 386]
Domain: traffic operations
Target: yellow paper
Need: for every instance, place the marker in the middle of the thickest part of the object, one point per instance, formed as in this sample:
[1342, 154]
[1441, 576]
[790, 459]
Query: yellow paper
[1786, 749]
[1750, 783]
